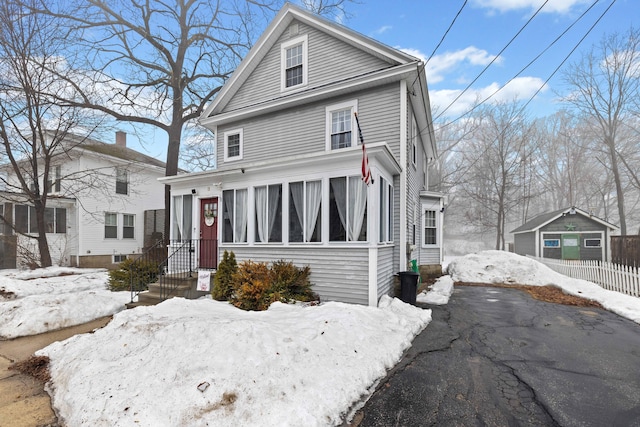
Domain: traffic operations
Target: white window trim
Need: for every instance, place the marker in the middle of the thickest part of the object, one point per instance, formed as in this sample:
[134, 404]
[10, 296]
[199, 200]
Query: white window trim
[593, 238]
[353, 105]
[430, 207]
[304, 41]
[226, 145]
[544, 241]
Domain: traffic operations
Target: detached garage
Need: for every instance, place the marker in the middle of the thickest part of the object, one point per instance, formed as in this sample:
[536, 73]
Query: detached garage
[569, 233]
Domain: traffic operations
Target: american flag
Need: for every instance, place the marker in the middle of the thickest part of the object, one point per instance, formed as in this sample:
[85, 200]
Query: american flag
[366, 171]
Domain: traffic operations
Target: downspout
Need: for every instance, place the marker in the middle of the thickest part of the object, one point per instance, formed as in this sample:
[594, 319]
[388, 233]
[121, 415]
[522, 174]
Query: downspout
[403, 176]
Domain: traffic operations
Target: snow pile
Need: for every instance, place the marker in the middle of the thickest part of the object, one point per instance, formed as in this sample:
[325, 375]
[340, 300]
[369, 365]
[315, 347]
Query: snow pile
[504, 267]
[204, 362]
[50, 301]
[439, 292]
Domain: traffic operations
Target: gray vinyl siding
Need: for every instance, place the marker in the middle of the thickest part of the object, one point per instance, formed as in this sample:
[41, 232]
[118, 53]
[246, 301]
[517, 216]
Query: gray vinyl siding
[336, 274]
[330, 60]
[525, 243]
[302, 130]
[386, 271]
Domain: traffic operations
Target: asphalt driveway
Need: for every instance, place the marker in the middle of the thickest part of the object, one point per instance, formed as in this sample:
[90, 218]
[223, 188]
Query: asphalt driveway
[497, 357]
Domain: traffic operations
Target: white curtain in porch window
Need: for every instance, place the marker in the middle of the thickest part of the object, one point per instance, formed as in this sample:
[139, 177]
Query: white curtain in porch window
[261, 213]
[177, 218]
[314, 196]
[240, 226]
[357, 206]
[339, 187]
[297, 193]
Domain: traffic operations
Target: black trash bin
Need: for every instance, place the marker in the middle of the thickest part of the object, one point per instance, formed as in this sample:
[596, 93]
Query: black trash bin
[408, 286]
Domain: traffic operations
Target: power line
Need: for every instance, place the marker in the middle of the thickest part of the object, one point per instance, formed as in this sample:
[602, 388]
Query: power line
[446, 32]
[494, 59]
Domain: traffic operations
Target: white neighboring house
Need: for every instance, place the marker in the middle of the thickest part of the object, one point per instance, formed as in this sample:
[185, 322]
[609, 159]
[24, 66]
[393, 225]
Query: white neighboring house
[288, 183]
[95, 209]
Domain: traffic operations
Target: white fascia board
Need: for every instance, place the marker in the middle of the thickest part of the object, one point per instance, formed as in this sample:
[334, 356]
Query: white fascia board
[378, 153]
[314, 94]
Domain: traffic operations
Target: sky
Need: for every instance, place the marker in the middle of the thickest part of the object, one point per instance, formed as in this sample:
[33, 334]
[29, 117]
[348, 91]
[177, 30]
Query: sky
[205, 362]
[481, 49]
[496, 35]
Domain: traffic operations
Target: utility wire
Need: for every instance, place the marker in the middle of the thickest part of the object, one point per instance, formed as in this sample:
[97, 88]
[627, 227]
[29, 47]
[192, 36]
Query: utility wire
[525, 67]
[494, 59]
[446, 32]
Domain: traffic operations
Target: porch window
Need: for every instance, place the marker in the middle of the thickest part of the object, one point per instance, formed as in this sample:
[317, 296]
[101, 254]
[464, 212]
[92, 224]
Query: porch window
[430, 222]
[268, 213]
[234, 213]
[347, 209]
[128, 226]
[386, 211]
[305, 219]
[294, 62]
[182, 217]
[61, 220]
[341, 125]
[110, 225]
[21, 218]
[233, 145]
[122, 181]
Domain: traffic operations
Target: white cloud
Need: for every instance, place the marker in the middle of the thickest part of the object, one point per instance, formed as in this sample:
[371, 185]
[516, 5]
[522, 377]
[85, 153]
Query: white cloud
[445, 63]
[553, 6]
[520, 88]
[382, 29]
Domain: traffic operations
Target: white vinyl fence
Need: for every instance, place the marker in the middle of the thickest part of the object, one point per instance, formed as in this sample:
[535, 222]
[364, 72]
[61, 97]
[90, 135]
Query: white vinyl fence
[613, 277]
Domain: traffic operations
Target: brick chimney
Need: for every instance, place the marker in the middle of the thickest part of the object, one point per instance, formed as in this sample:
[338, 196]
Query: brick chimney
[121, 139]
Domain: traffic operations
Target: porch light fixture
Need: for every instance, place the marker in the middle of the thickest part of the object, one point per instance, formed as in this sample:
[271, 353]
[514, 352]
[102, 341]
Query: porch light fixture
[193, 191]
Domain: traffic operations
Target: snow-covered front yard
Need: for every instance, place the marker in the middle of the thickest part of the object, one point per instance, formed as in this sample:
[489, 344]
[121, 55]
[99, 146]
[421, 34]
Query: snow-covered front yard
[203, 362]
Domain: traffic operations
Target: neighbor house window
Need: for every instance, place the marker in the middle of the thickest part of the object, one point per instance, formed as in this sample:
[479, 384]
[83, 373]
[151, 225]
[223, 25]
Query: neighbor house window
[233, 144]
[234, 215]
[551, 243]
[268, 213]
[128, 226]
[305, 218]
[53, 186]
[592, 243]
[340, 123]
[386, 211]
[55, 220]
[2, 222]
[430, 222]
[110, 225]
[347, 209]
[122, 181]
[294, 63]
[182, 217]
[119, 258]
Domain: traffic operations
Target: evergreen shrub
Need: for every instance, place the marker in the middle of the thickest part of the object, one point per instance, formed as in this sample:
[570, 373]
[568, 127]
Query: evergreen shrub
[222, 280]
[133, 271]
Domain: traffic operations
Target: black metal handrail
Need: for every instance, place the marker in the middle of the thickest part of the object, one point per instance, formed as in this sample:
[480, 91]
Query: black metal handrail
[147, 268]
[184, 259]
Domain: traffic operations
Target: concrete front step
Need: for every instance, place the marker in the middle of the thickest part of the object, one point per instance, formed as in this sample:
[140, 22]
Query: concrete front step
[174, 287]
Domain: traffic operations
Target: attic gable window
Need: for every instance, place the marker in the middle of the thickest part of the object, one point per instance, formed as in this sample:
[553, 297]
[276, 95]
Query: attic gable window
[340, 124]
[233, 145]
[294, 63]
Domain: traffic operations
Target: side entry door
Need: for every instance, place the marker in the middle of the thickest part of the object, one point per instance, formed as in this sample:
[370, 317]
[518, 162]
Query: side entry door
[570, 246]
[209, 233]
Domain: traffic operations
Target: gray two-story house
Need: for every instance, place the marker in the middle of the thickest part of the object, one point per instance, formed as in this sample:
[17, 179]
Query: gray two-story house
[288, 183]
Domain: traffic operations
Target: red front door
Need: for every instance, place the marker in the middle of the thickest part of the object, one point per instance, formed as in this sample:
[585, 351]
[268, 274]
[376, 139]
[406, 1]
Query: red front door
[209, 233]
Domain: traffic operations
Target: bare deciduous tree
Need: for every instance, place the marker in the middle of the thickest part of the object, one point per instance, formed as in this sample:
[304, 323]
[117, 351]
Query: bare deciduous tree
[605, 87]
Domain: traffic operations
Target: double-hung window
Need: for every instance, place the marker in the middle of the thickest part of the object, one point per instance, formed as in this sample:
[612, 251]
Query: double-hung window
[182, 217]
[347, 209]
[122, 181]
[110, 225]
[268, 200]
[294, 63]
[234, 216]
[341, 125]
[305, 207]
[53, 185]
[430, 227]
[128, 226]
[386, 211]
[233, 145]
